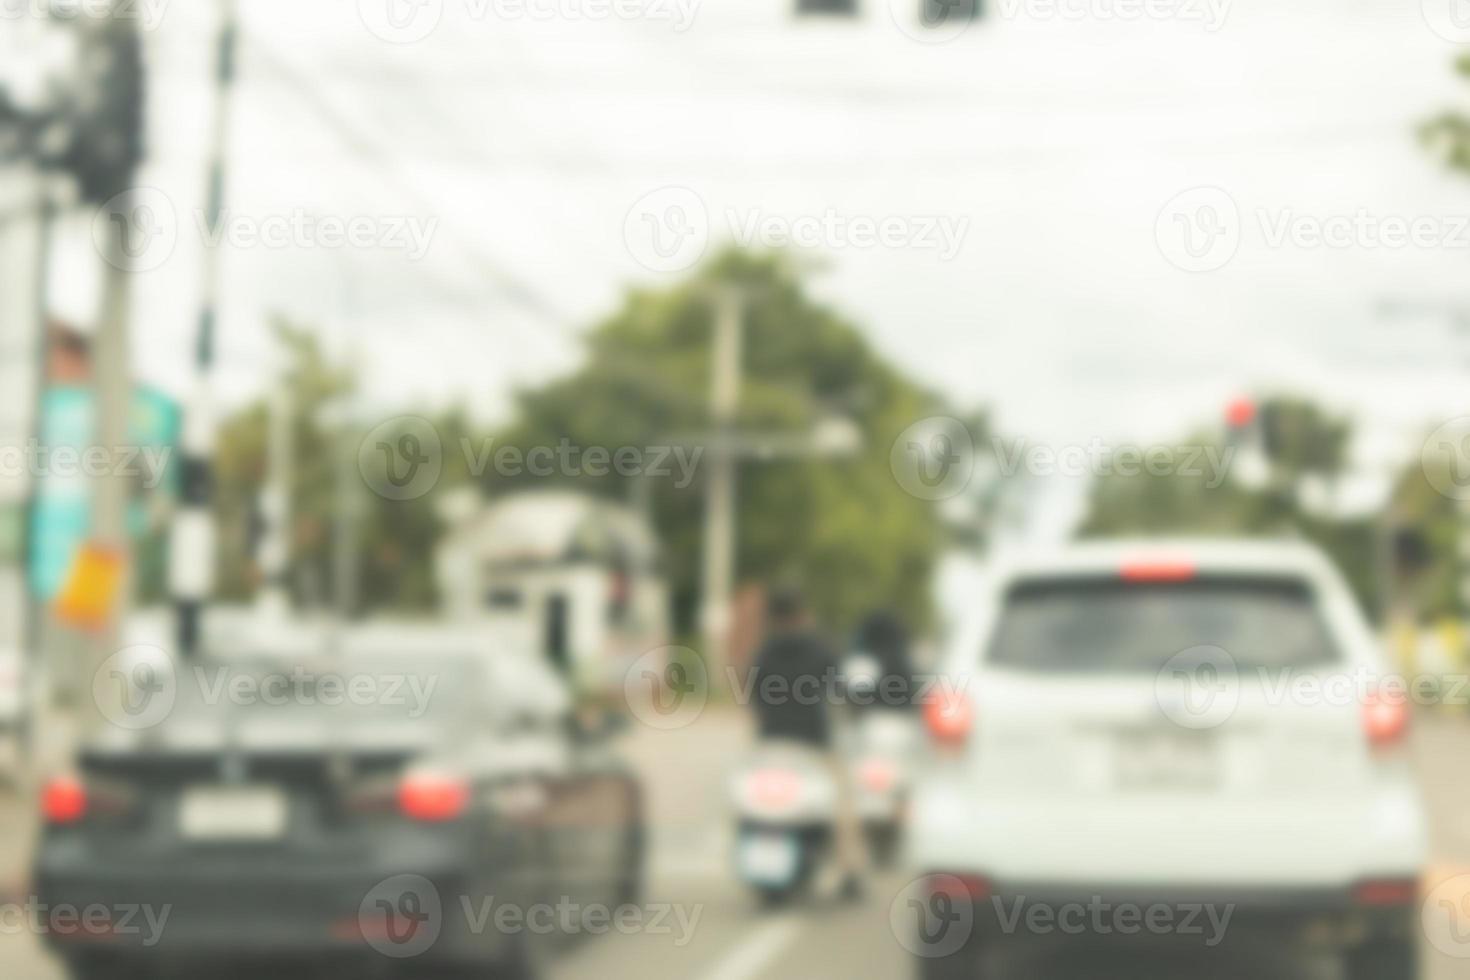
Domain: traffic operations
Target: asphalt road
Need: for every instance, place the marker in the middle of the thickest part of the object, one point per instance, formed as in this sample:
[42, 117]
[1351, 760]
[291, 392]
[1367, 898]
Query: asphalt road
[724, 936]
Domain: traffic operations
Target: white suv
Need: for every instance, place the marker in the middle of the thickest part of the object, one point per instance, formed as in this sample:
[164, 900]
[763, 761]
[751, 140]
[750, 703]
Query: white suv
[1191, 740]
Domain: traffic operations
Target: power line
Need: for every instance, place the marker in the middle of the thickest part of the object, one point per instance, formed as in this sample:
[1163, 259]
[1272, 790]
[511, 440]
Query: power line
[379, 159]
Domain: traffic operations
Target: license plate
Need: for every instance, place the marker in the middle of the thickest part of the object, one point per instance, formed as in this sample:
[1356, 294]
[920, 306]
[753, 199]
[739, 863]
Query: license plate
[1166, 761]
[234, 813]
[768, 859]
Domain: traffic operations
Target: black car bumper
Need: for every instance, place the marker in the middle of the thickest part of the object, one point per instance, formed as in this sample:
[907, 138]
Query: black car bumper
[239, 905]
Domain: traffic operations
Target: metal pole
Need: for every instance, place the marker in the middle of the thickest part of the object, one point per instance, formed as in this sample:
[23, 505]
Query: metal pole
[36, 682]
[25, 243]
[345, 550]
[112, 379]
[719, 518]
[274, 557]
[191, 564]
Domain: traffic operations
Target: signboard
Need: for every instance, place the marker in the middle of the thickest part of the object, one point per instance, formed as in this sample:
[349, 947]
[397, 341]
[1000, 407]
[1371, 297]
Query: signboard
[61, 518]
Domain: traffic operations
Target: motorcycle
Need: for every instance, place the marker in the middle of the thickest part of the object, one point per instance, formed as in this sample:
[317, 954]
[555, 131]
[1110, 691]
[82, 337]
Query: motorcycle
[880, 749]
[785, 803]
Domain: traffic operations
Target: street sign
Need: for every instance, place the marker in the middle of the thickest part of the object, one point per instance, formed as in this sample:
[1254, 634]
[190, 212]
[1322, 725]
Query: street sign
[61, 518]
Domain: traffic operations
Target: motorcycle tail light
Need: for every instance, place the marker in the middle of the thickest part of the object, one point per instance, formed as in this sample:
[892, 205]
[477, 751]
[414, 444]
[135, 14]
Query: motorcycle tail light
[773, 789]
[877, 775]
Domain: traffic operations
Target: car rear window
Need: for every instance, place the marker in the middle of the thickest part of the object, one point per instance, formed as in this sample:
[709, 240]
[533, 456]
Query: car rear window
[1113, 626]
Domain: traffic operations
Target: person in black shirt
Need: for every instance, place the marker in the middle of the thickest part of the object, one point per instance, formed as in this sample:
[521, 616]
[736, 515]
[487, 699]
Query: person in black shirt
[795, 674]
[884, 637]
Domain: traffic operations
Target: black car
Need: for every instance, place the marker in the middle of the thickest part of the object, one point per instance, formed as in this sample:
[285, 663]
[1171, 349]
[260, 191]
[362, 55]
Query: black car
[379, 815]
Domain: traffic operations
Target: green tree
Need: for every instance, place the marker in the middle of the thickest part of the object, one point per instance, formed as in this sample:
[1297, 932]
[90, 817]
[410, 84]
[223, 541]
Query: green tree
[395, 538]
[1448, 134]
[1300, 440]
[842, 526]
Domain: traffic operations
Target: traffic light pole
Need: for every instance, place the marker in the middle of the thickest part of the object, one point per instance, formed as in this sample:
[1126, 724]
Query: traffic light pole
[192, 546]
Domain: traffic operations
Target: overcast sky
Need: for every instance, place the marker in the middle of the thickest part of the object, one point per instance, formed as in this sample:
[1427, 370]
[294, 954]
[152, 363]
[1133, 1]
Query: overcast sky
[1055, 142]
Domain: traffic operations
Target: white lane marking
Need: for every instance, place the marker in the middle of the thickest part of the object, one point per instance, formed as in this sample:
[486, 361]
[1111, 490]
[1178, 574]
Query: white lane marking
[754, 953]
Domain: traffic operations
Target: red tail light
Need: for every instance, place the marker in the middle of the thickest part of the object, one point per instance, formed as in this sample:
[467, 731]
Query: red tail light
[1157, 571]
[1391, 891]
[877, 775]
[1385, 720]
[964, 887]
[949, 716]
[773, 789]
[64, 800]
[433, 799]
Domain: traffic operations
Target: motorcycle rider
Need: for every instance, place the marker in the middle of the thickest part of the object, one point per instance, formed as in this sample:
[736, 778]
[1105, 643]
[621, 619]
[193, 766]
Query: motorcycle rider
[883, 636]
[795, 709]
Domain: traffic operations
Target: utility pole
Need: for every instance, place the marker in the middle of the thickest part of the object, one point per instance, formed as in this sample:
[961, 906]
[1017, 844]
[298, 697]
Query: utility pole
[1457, 318]
[273, 556]
[192, 546]
[25, 246]
[108, 174]
[719, 514]
[831, 436]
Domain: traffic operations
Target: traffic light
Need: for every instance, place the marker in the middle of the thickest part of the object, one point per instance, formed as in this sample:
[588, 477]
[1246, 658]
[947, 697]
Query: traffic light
[940, 13]
[847, 8]
[105, 113]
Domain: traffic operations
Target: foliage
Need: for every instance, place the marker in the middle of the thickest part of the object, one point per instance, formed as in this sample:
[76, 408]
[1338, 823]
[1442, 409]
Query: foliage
[841, 526]
[1298, 440]
[1448, 134]
[395, 538]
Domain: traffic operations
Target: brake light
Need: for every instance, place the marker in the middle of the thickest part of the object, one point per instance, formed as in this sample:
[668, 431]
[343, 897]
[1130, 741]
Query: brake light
[962, 887]
[1158, 571]
[433, 799]
[773, 789]
[949, 716]
[1392, 891]
[877, 775]
[64, 800]
[1385, 720]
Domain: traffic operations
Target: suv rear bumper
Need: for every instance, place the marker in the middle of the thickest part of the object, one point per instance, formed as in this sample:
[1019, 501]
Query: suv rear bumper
[1198, 917]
